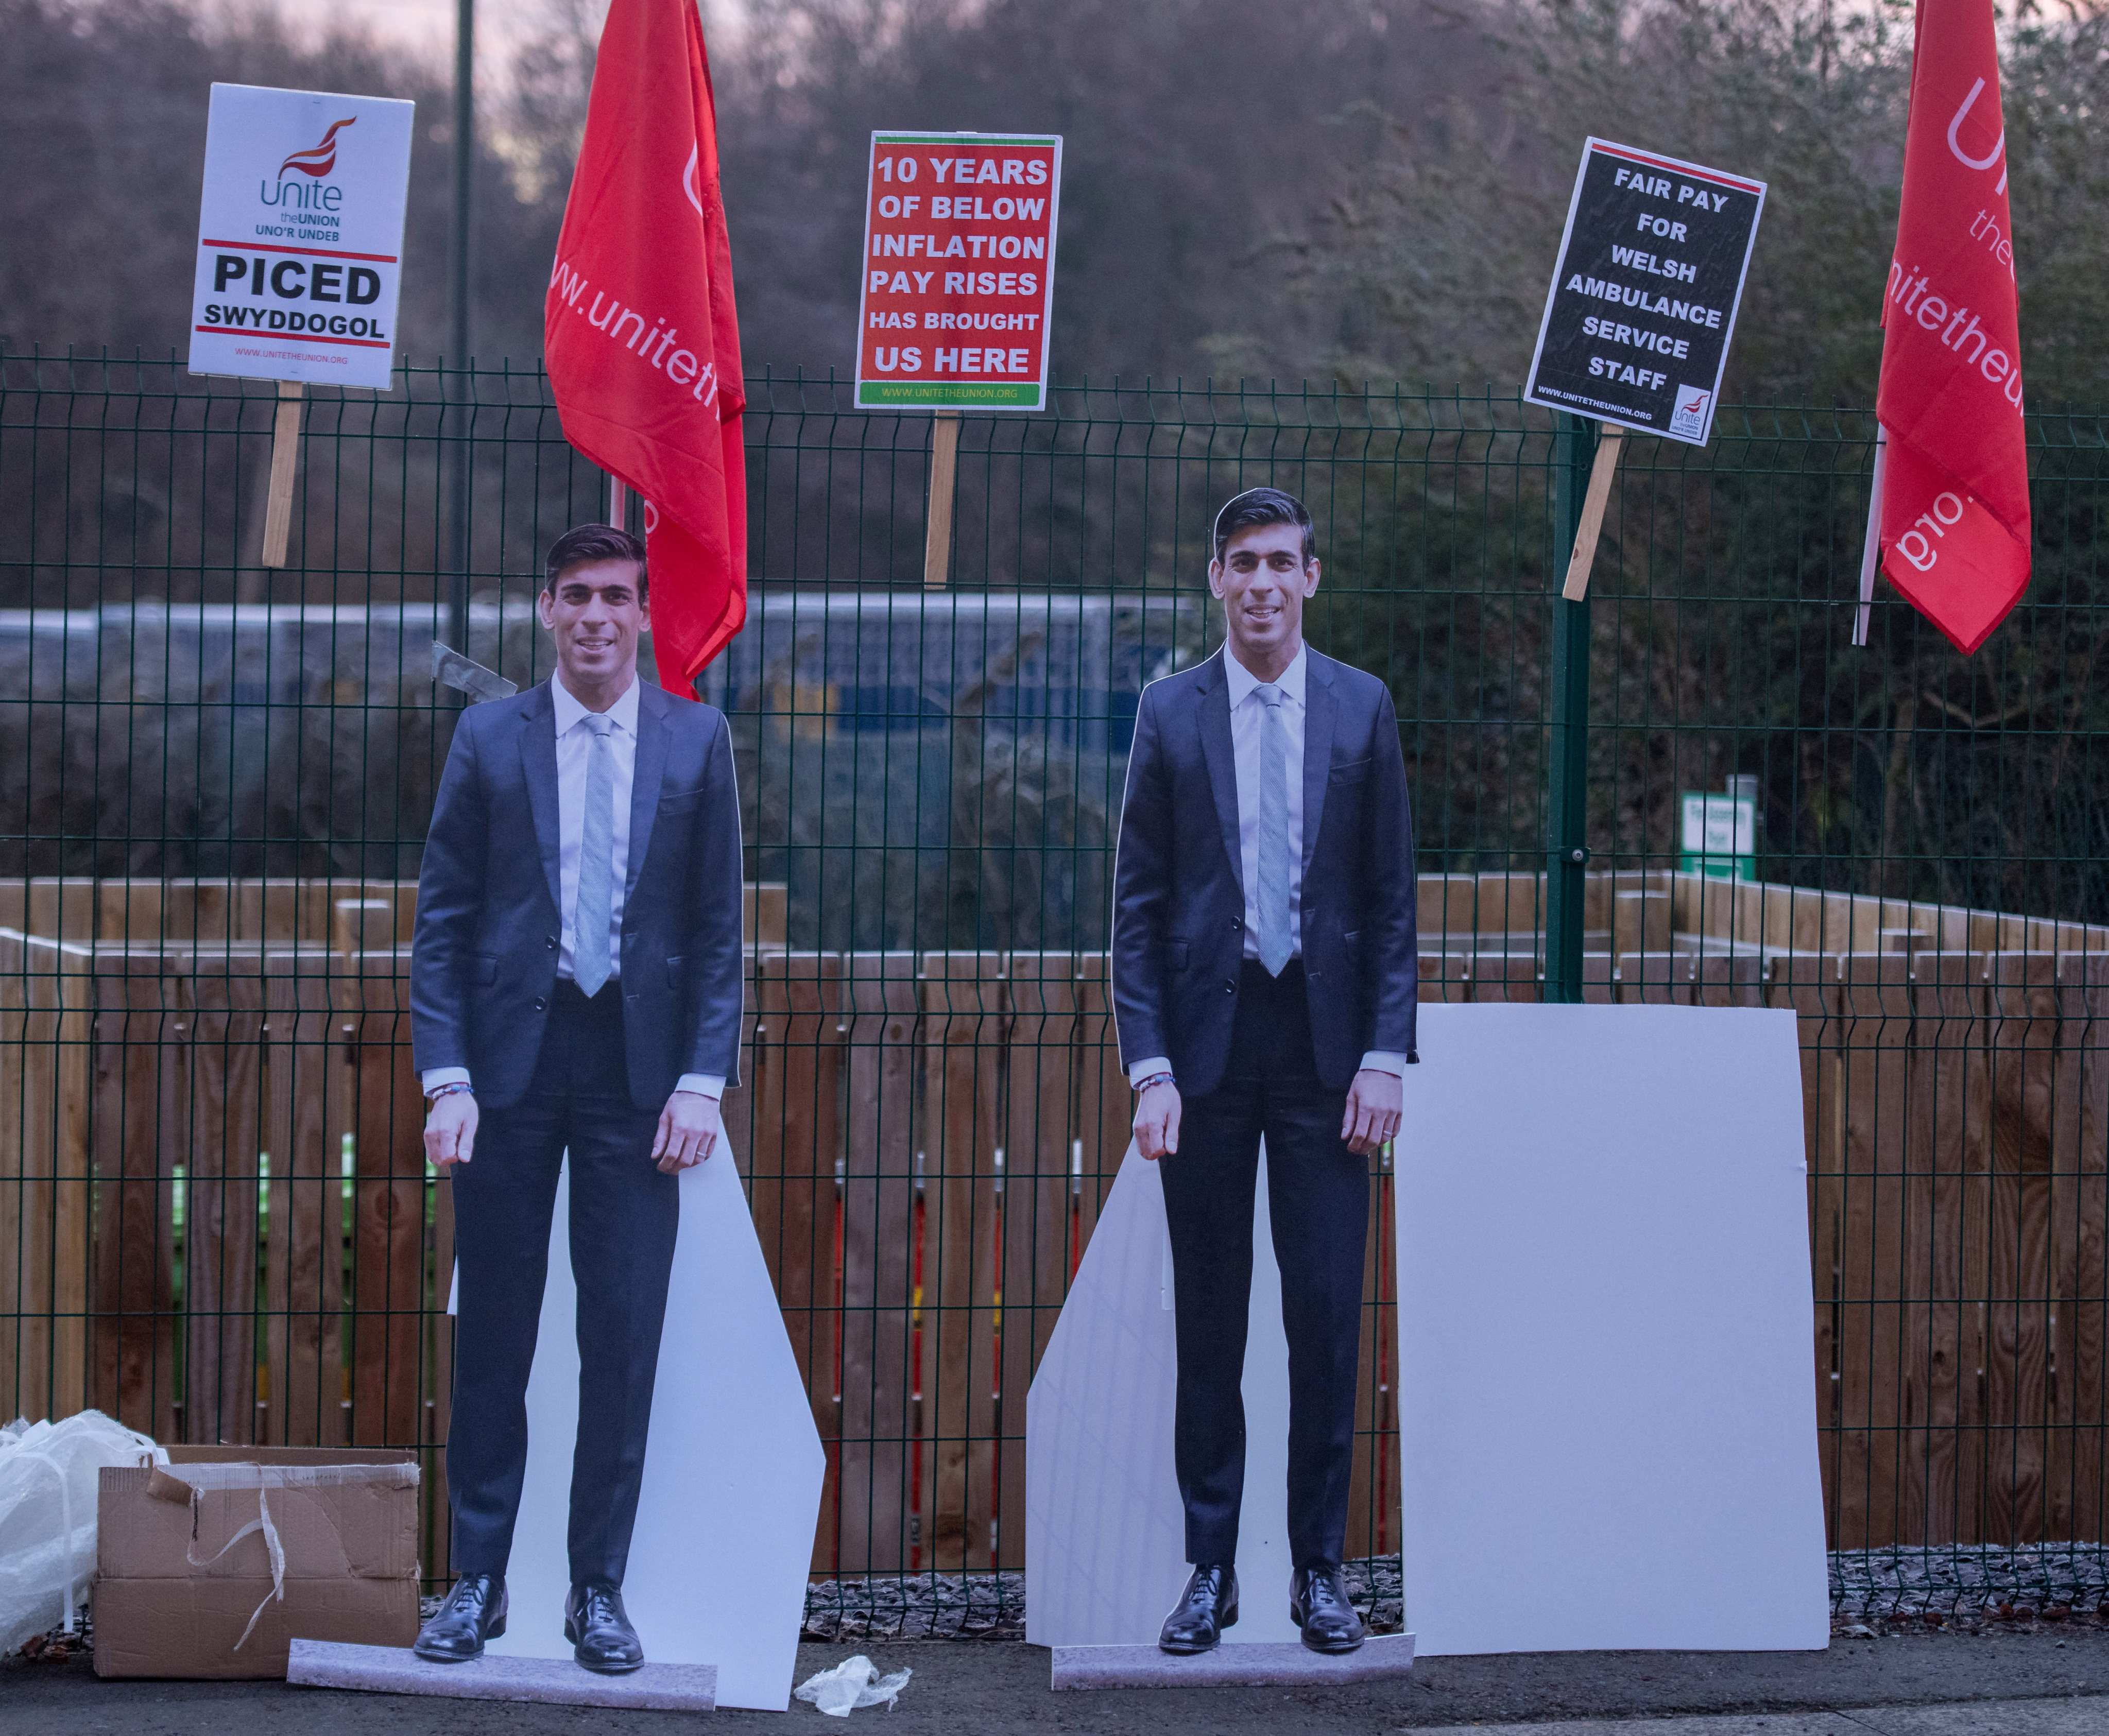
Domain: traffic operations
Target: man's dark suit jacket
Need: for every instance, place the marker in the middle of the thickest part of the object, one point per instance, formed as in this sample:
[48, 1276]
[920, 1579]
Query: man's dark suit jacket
[1179, 900]
[483, 964]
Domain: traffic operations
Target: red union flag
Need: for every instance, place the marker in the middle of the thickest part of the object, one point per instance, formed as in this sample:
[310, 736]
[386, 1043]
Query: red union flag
[1951, 480]
[639, 331]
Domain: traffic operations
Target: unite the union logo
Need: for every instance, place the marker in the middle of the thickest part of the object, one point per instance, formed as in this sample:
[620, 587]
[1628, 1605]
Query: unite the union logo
[1687, 416]
[319, 160]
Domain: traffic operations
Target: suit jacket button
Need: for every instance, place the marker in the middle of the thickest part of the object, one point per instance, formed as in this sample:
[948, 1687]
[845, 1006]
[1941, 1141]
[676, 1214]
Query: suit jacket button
[541, 1005]
[1230, 986]
[551, 943]
[1236, 922]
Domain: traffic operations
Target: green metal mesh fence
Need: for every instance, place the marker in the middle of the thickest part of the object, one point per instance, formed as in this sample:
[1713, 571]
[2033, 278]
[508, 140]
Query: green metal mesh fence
[216, 1220]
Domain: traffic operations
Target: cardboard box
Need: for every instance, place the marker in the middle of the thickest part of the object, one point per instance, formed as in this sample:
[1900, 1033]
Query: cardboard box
[178, 1580]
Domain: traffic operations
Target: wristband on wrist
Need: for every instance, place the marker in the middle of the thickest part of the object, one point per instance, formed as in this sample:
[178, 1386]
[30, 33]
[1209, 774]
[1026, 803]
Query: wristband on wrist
[449, 1089]
[1155, 1078]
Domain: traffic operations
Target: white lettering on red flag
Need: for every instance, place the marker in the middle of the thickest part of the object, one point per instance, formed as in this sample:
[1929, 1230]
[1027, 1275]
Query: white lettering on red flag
[1954, 504]
[639, 332]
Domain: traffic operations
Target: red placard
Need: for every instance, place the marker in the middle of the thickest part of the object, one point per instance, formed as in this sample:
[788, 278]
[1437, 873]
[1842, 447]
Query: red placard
[958, 269]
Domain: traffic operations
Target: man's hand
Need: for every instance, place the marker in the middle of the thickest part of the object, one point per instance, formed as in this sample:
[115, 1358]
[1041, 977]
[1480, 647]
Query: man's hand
[1156, 1120]
[689, 1128]
[450, 1130]
[1375, 1101]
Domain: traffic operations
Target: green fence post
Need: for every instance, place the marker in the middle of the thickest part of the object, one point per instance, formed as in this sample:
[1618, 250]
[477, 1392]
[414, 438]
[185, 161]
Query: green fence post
[461, 263]
[1567, 792]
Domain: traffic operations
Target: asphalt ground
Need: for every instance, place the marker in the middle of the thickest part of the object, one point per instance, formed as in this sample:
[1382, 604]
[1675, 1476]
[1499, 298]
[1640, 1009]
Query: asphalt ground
[2041, 1681]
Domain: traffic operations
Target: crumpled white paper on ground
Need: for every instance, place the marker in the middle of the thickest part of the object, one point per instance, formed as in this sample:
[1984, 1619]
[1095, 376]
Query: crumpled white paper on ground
[853, 1683]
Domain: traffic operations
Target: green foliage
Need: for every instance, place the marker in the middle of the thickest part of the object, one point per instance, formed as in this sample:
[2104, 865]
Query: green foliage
[1353, 190]
[102, 118]
[1342, 191]
[1441, 240]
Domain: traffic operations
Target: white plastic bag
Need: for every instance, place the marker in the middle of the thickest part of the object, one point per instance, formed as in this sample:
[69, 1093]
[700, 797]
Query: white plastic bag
[853, 1683]
[48, 1477]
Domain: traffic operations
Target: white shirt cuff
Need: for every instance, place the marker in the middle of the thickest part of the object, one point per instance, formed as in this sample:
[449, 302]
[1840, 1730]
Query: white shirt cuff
[1384, 1060]
[704, 1084]
[1143, 1069]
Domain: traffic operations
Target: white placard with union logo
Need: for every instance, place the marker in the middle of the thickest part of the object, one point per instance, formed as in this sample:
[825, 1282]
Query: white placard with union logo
[300, 236]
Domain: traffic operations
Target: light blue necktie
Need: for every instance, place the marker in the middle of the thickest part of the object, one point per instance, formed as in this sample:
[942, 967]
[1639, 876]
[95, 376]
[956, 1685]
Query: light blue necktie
[1276, 933]
[590, 965]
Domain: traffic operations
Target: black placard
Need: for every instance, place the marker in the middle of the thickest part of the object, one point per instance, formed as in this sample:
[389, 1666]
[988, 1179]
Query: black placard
[1638, 321]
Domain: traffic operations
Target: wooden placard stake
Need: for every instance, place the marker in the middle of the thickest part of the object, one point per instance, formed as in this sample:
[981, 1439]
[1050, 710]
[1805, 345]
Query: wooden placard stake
[944, 467]
[285, 461]
[1592, 513]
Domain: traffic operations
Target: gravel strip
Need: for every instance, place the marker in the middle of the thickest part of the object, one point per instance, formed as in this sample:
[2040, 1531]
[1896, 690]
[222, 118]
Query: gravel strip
[1968, 1581]
[991, 1606]
[1958, 1587]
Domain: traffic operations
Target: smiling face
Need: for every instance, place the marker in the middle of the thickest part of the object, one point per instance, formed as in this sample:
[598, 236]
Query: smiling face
[597, 613]
[1263, 579]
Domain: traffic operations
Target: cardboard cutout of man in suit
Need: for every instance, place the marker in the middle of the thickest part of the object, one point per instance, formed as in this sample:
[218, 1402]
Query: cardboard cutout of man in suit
[574, 986]
[1265, 977]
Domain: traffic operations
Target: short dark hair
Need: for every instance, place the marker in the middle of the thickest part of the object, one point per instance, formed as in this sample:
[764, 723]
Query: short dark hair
[1257, 507]
[585, 543]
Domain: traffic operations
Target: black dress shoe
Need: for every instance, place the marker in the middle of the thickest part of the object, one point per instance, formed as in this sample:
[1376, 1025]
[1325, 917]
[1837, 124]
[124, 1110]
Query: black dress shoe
[473, 1612]
[601, 1636]
[1318, 1604]
[1208, 1606]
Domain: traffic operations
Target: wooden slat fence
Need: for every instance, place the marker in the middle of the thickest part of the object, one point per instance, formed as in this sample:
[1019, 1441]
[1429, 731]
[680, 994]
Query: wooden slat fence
[215, 1222]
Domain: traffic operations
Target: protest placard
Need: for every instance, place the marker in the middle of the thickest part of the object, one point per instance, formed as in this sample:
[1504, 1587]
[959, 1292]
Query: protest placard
[1642, 307]
[958, 270]
[299, 254]
[300, 236]
[1644, 298]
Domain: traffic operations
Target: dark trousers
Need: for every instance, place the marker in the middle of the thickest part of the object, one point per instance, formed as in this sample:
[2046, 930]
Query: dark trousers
[1318, 1200]
[623, 1216]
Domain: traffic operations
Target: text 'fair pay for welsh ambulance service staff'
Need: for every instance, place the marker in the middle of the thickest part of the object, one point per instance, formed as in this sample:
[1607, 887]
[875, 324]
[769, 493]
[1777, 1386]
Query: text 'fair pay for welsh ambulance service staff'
[1643, 301]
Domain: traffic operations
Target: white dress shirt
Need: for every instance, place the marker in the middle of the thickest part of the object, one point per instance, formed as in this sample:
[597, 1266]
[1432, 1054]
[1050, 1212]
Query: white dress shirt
[1248, 719]
[574, 745]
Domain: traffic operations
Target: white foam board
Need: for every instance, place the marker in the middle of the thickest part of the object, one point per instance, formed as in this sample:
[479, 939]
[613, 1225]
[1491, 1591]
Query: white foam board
[1606, 1399]
[1105, 1551]
[1607, 1404]
[656, 1688]
[732, 1474]
[1270, 1664]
